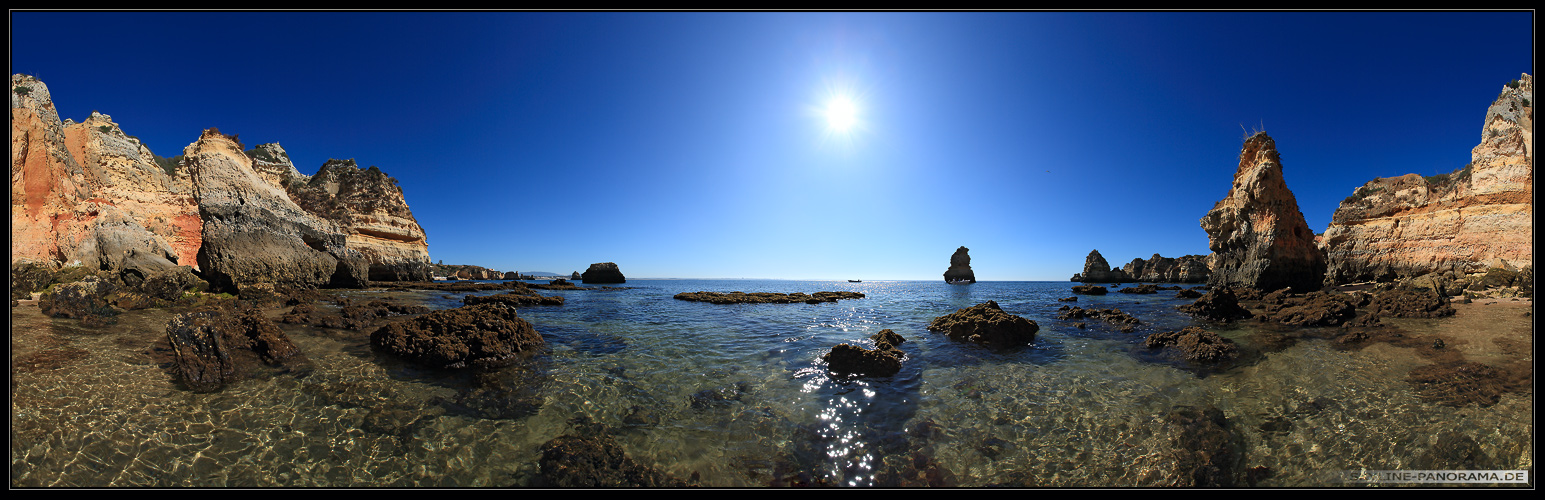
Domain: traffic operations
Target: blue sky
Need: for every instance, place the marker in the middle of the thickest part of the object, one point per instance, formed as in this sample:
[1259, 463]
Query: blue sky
[695, 145]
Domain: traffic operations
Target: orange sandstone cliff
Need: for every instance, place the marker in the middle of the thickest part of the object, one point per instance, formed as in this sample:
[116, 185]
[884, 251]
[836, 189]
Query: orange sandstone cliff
[1477, 217]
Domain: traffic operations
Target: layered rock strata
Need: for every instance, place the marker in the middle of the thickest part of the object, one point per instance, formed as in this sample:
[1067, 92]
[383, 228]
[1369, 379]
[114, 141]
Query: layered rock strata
[254, 233]
[960, 267]
[369, 206]
[1476, 217]
[1257, 234]
[603, 272]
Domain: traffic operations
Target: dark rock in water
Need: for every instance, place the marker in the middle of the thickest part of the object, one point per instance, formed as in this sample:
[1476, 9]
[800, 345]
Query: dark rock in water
[1196, 345]
[919, 470]
[479, 336]
[851, 359]
[1209, 450]
[1456, 451]
[1219, 304]
[986, 324]
[1108, 315]
[1460, 384]
[1141, 289]
[510, 392]
[766, 297]
[1068, 299]
[1090, 289]
[709, 398]
[208, 345]
[1188, 294]
[960, 267]
[603, 272]
[84, 299]
[596, 462]
[887, 339]
[1312, 309]
[1410, 303]
[1258, 237]
[515, 298]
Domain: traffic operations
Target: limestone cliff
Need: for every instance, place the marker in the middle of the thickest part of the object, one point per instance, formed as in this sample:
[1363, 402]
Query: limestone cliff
[370, 207]
[62, 210]
[1476, 217]
[154, 198]
[1257, 234]
[1159, 269]
[254, 235]
[960, 267]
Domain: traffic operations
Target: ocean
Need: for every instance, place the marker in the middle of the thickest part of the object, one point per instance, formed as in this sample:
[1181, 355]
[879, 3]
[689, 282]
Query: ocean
[738, 396]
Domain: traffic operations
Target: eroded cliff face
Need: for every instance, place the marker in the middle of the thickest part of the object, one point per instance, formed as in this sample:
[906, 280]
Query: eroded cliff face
[63, 210]
[254, 235]
[369, 206]
[1159, 269]
[1257, 234]
[1098, 270]
[152, 197]
[1477, 217]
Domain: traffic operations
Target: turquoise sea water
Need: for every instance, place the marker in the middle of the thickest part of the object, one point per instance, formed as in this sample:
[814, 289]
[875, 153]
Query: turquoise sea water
[738, 395]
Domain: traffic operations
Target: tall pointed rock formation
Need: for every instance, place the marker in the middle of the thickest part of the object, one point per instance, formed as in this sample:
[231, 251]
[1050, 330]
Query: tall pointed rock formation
[1257, 234]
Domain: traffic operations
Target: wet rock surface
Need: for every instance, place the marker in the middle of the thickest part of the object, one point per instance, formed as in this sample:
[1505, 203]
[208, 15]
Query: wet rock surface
[1090, 289]
[1409, 303]
[1209, 448]
[882, 361]
[1311, 309]
[986, 324]
[478, 336]
[1126, 322]
[1195, 345]
[766, 297]
[211, 346]
[87, 300]
[1141, 289]
[1218, 304]
[516, 298]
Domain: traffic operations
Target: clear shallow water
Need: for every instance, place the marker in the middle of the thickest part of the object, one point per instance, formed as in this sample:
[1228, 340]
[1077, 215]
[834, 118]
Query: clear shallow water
[1079, 407]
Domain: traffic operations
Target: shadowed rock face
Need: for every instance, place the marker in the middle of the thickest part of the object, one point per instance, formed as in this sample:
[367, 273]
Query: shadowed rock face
[254, 233]
[1463, 221]
[1097, 270]
[1257, 234]
[960, 267]
[1160, 269]
[603, 272]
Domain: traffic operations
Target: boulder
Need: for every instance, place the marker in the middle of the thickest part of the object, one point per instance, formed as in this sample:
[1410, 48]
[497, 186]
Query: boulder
[882, 361]
[86, 299]
[986, 324]
[1311, 309]
[1090, 289]
[603, 272]
[1218, 304]
[480, 336]
[960, 267]
[1195, 345]
[1257, 234]
[209, 345]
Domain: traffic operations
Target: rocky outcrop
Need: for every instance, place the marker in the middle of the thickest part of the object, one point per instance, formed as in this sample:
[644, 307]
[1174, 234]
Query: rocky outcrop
[960, 267]
[1465, 221]
[254, 233]
[1218, 304]
[986, 324]
[208, 345]
[367, 205]
[1097, 270]
[575, 276]
[1159, 269]
[882, 361]
[1195, 345]
[272, 163]
[1257, 235]
[479, 336]
[603, 272]
[1090, 289]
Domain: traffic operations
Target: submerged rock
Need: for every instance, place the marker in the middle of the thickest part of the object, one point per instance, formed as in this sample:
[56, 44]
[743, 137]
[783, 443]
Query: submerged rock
[1141, 289]
[1090, 289]
[1209, 449]
[1460, 384]
[1312, 309]
[603, 272]
[1126, 322]
[208, 345]
[1196, 345]
[480, 336]
[960, 267]
[986, 324]
[596, 461]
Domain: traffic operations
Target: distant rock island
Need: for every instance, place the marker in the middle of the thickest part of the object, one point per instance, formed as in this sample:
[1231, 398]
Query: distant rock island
[603, 272]
[1156, 269]
[960, 267]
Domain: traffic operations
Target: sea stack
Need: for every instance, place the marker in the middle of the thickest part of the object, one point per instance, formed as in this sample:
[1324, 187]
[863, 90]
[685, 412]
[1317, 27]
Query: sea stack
[960, 267]
[1257, 235]
[1097, 270]
[603, 272]
[1478, 216]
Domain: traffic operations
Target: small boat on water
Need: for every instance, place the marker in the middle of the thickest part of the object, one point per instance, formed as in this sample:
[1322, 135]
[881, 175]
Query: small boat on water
[854, 281]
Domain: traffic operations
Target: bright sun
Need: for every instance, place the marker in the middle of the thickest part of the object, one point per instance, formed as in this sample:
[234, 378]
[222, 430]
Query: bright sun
[841, 114]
